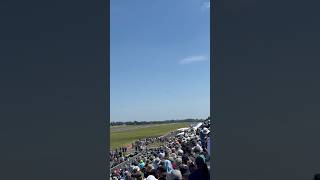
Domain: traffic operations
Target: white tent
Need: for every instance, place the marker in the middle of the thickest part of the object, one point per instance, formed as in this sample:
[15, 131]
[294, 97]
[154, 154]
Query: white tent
[183, 129]
[180, 134]
[197, 126]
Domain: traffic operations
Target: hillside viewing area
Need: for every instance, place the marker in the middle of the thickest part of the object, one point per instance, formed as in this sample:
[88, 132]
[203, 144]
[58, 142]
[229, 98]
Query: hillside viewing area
[160, 150]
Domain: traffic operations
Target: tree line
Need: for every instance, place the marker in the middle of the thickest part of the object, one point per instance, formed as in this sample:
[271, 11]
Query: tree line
[154, 122]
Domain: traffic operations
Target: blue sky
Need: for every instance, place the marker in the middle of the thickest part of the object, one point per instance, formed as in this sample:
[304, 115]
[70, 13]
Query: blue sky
[159, 57]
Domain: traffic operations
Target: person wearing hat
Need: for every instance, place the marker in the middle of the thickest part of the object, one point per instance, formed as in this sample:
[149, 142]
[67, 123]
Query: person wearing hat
[205, 131]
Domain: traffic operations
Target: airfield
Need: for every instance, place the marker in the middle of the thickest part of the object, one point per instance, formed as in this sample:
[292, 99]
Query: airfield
[124, 135]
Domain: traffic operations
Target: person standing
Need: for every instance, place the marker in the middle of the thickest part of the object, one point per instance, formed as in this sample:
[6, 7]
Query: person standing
[201, 171]
[208, 145]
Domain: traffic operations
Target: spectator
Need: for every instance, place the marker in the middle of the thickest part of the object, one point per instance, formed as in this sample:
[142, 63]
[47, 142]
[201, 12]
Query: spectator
[178, 162]
[156, 163]
[180, 157]
[171, 159]
[161, 155]
[127, 175]
[150, 171]
[185, 172]
[201, 171]
[151, 177]
[137, 174]
[174, 175]
[161, 173]
[168, 166]
[141, 164]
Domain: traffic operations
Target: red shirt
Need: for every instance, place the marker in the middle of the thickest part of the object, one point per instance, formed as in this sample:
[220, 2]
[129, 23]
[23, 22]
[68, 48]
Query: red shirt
[174, 166]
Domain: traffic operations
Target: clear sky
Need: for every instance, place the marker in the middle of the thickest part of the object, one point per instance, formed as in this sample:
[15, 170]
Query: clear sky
[159, 57]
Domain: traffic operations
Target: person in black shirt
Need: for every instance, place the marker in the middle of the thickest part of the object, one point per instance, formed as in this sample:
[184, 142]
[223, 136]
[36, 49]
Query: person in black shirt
[201, 171]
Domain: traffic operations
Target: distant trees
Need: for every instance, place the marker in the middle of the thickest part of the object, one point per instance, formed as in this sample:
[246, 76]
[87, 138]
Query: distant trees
[154, 122]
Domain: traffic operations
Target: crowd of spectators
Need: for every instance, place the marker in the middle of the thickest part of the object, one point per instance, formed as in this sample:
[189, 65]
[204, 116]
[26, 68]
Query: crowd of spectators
[181, 157]
[120, 155]
[117, 154]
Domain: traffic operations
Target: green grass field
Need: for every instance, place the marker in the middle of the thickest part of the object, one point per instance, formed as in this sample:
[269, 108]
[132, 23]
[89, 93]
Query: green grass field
[129, 134]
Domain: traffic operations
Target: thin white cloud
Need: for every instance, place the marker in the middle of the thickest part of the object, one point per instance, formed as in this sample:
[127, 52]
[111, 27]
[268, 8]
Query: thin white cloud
[206, 5]
[192, 59]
